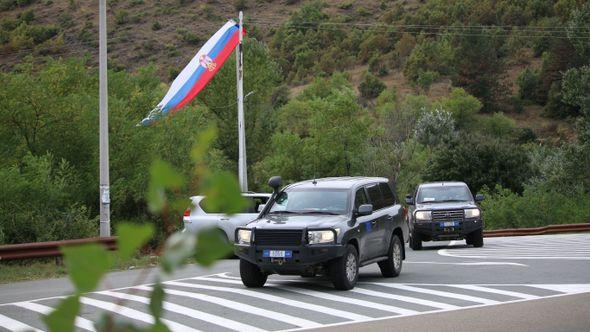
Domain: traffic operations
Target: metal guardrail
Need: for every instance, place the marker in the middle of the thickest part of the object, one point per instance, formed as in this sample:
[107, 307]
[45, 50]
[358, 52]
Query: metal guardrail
[551, 229]
[49, 249]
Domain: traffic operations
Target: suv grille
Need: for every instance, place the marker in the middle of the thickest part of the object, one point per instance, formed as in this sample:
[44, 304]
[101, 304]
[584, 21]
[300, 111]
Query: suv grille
[454, 215]
[278, 237]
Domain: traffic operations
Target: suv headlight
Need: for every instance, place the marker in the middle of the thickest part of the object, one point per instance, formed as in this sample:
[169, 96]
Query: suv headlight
[423, 215]
[244, 236]
[324, 236]
[472, 213]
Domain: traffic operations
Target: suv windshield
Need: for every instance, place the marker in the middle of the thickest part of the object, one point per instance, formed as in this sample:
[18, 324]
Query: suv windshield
[443, 194]
[311, 201]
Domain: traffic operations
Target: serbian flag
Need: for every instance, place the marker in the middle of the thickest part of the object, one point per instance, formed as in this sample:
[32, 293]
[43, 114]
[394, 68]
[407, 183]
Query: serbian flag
[195, 76]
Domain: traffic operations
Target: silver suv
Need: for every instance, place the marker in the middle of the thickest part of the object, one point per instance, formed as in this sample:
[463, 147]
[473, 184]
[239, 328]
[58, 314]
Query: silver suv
[198, 217]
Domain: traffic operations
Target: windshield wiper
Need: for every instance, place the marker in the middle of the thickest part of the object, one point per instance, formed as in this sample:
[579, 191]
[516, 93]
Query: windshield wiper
[451, 200]
[283, 212]
[319, 212]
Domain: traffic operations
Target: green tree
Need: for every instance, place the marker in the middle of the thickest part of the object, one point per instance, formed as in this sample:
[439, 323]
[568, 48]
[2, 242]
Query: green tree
[462, 106]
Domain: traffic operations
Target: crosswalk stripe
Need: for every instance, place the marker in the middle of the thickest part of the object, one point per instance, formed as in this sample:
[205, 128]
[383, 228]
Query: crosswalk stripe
[325, 296]
[437, 293]
[182, 310]
[243, 307]
[14, 325]
[274, 298]
[497, 291]
[134, 314]
[80, 322]
[438, 305]
[564, 288]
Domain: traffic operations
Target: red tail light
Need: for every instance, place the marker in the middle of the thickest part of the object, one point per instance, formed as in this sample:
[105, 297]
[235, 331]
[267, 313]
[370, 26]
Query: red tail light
[187, 212]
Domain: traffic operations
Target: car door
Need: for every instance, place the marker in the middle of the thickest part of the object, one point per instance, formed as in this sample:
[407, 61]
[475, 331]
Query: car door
[375, 228]
[363, 224]
[393, 216]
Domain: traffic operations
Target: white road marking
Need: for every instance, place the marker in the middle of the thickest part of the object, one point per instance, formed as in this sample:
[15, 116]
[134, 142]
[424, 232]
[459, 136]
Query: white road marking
[80, 322]
[537, 247]
[325, 296]
[182, 310]
[14, 325]
[565, 288]
[437, 293]
[242, 307]
[438, 305]
[134, 314]
[496, 291]
[273, 298]
[469, 264]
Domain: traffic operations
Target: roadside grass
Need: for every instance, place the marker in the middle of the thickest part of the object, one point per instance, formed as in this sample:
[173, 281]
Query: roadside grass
[50, 268]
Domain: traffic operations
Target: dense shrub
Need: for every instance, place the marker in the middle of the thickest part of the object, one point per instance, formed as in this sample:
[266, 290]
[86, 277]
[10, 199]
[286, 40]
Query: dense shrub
[528, 83]
[480, 161]
[435, 128]
[462, 106]
[497, 125]
[371, 86]
[537, 206]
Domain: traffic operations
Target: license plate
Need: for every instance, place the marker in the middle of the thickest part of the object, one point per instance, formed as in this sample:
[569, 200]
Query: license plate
[449, 224]
[277, 253]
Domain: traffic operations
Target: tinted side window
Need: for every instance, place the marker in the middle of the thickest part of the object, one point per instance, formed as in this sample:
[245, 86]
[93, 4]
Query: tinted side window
[375, 196]
[388, 197]
[360, 198]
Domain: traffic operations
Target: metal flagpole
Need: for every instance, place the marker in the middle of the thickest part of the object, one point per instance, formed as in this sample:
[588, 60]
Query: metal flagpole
[242, 169]
[105, 218]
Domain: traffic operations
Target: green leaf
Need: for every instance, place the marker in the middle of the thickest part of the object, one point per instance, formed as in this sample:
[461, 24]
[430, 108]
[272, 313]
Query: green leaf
[108, 323]
[204, 141]
[86, 264]
[178, 248]
[159, 327]
[131, 237]
[162, 177]
[211, 246]
[156, 299]
[63, 317]
[223, 193]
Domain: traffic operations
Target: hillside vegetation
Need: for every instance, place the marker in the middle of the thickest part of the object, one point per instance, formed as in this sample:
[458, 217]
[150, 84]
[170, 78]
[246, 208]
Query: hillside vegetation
[493, 93]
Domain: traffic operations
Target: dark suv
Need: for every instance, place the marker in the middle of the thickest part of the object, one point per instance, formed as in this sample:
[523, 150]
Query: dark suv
[444, 211]
[326, 226]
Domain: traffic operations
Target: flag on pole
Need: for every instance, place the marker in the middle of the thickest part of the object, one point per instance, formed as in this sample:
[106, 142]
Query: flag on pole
[195, 76]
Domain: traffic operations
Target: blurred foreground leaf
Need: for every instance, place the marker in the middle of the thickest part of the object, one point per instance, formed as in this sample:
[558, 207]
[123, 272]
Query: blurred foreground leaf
[86, 264]
[179, 247]
[223, 193]
[162, 177]
[63, 317]
[108, 323]
[132, 237]
[212, 245]
[156, 300]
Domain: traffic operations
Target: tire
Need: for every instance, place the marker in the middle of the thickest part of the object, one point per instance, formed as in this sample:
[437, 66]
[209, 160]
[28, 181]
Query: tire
[252, 276]
[476, 238]
[468, 239]
[344, 271]
[415, 241]
[393, 265]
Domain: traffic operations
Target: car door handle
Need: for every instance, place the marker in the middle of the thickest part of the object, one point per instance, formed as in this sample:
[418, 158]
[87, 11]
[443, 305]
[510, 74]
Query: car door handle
[224, 219]
[373, 222]
[389, 217]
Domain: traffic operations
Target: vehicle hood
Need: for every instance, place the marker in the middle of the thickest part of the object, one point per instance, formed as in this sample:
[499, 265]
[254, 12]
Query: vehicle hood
[297, 221]
[446, 206]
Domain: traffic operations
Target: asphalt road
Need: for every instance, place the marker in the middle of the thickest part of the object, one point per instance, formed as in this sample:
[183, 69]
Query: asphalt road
[535, 283]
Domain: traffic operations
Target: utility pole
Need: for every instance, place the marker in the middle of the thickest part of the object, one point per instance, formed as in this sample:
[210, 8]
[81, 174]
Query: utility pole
[242, 168]
[105, 201]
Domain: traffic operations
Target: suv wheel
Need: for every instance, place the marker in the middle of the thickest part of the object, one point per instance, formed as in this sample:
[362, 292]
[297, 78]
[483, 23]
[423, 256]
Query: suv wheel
[344, 271]
[476, 238]
[415, 241]
[393, 265]
[252, 276]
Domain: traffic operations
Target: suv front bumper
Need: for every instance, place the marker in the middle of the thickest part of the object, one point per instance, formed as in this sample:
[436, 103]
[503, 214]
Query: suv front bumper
[304, 258]
[435, 231]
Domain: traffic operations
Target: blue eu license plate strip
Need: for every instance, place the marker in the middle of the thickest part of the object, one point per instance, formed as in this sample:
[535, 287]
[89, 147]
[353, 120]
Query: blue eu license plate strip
[449, 224]
[277, 253]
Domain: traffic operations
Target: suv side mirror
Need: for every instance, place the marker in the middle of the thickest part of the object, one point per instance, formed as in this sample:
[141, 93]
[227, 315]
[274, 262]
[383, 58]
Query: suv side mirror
[479, 197]
[364, 210]
[275, 183]
[409, 200]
